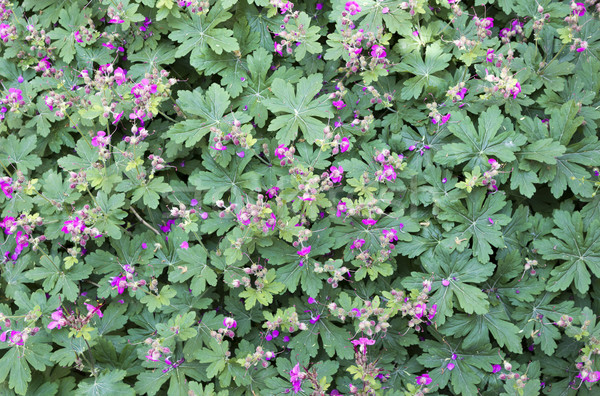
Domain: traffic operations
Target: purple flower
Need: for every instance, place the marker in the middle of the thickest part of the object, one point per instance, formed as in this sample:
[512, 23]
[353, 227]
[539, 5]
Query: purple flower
[144, 245]
[78, 37]
[6, 186]
[311, 300]
[304, 251]
[392, 234]
[450, 366]
[194, 202]
[120, 76]
[184, 245]
[496, 368]
[369, 222]
[99, 140]
[296, 379]
[281, 151]
[314, 319]
[445, 282]
[461, 94]
[432, 312]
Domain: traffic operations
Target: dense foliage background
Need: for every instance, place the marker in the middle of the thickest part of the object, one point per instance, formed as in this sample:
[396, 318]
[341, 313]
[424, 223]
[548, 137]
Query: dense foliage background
[257, 197]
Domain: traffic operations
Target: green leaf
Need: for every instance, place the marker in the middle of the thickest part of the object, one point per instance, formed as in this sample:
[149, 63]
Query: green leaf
[479, 145]
[301, 110]
[577, 252]
[18, 153]
[480, 221]
[156, 301]
[108, 382]
[435, 60]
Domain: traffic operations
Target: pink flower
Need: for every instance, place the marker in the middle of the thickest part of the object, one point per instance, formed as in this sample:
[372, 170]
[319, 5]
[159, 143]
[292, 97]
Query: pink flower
[341, 208]
[496, 368]
[344, 145]
[108, 45]
[295, 378]
[72, 225]
[378, 51]
[57, 320]
[357, 244]
[229, 323]
[339, 104]
[424, 379]
[336, 174]
[353, 8]
[516, 90]
[392, 234]
[120, 76]
[385, 10]
[490, 55]
[450, 366]
[314, 319]
[98, 139]
[369, 222]
[304, 251]
[116, 20]
[579, 9]
[420, 310]
[120, 282]
[94, 310]
[432, 312]
[184, 245]
[461, 94]
[6, 186]
[362, 344]
[443, 120]
[272, 192]
[15, 337]
[78, 37]
[311, 300]
[281, 151]
[445, 282]
[194, 202]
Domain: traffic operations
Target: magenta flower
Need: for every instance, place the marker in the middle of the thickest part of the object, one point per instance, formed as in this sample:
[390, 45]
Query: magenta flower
[184, 245]
[78, 37]
[362, 344]
[378, 51]
[229, 323]
[424, 379]
[496, 368]
[94, 310]
[450, 366]
[516, 90]
[120, 76]
[344, 145]
[339, 104]
[353, 8]
[281, 151]
[72, 225]
[461, 94]
[357, 244]
[15, 337]
[341, 208]
[336, 174]
[392, 234]
[445, 282]
[420, 310]
[432, 312]
[579, 9]
[369, 222]
[490, 55]
[311, 300]
[272, 192]
[98, 140]
[58, 320]
[304, 251]
[296, 378]
[120, 282]
[6, 186]
[314, 319]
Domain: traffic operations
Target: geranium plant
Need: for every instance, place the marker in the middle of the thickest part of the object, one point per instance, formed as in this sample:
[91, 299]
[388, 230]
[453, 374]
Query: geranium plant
[265, 197]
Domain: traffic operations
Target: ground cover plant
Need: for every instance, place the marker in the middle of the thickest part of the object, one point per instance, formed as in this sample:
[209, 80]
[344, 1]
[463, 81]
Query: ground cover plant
[261, 197]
